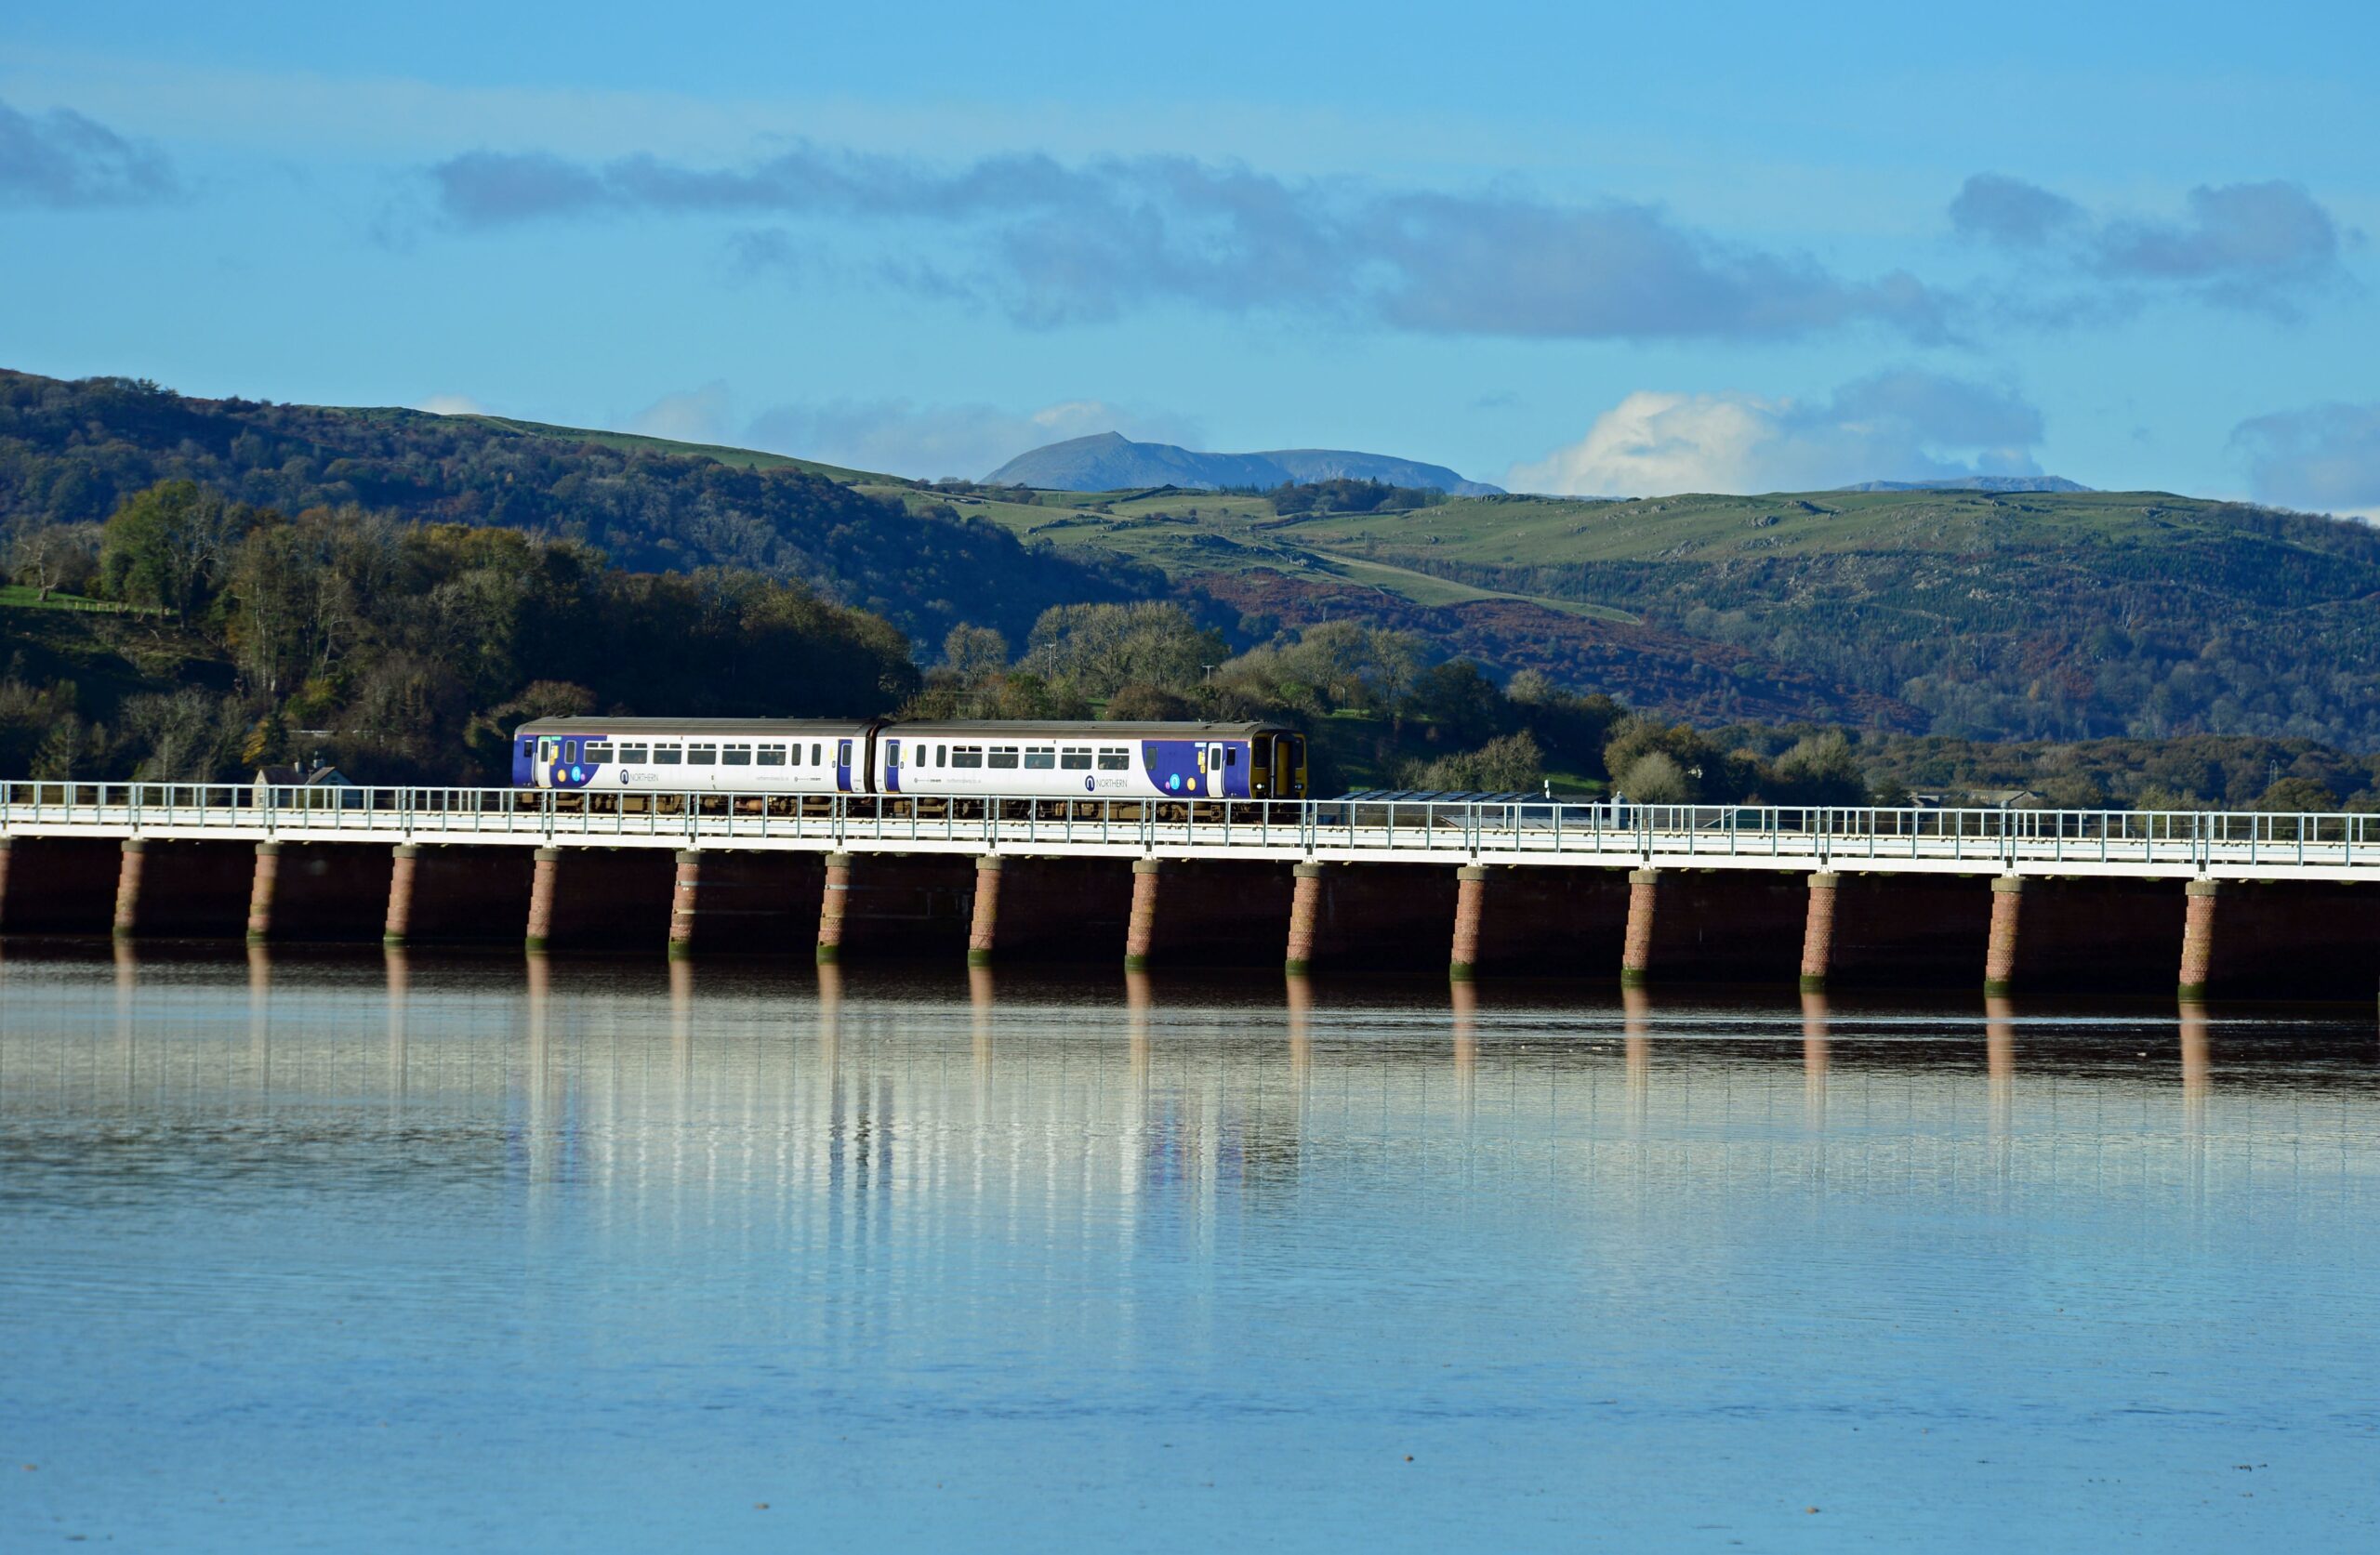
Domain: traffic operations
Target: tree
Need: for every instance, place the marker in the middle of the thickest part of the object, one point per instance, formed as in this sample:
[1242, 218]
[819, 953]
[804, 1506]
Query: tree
[1820, 769]
[167, 546]
[1655, 778]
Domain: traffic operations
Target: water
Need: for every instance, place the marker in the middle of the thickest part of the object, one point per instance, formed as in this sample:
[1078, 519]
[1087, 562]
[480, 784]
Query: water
[316, 1253]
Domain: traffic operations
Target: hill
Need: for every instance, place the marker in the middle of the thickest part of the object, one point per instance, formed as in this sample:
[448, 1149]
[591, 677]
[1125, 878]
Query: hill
[69, 452]
[2031, 616]
[1108, 461]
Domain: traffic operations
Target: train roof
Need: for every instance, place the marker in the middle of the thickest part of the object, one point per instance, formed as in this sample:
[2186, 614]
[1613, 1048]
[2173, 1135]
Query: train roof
[1081, 728]
[692, 726]
[1013, 728]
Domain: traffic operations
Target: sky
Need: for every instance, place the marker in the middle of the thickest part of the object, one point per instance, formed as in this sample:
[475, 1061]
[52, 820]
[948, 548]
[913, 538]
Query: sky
[1605, 250]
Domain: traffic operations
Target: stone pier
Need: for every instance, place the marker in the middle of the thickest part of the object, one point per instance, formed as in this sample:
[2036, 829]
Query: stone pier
[261, 889]
[2000, 950]
[398, 924]
[1305, 915]
[541, 900]
[128, 889]
[1636, 951]
[1139, 933]
[683, 898]
[2198, 939]
[1817, 931]
[1470, 901]
[832, 905]
[982, 928]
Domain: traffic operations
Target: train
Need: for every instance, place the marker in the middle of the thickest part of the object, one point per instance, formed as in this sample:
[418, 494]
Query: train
[953, 758]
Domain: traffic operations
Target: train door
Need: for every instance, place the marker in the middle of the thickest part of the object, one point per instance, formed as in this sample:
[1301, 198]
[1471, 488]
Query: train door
[891, 766]
[1218, 767]
[844, 766]
[548, 752]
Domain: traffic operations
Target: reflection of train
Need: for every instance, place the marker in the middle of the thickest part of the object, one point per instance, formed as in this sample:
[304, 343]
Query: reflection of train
[878, 756]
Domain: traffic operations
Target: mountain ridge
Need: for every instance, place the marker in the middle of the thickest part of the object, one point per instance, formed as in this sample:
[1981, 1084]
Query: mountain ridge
[1110, 461]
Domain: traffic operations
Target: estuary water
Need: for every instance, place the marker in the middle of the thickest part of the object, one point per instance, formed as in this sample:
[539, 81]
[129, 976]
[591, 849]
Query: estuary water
[338, 1252]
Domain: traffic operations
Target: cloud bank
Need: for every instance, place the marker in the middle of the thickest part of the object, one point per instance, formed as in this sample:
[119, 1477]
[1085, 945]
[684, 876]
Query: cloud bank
[2262, 246]
[1059, 243]
[2325, 458]
[62, 161]
[1895, 426]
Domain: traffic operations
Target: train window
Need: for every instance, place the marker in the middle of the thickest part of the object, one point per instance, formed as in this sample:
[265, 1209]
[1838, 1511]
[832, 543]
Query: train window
[546, 749]
[668, 756]
[632, 753]
[570, 750]
[772, 756]
[736, 756]
[892, 755]
[1231, 756]
[941, 756]
[842, 753]
[596, 751]
[1114, 760]
[966, 756]
[702, 756]
[814, 756]
[1041, 761]
[1002, 756]
[1075, 761]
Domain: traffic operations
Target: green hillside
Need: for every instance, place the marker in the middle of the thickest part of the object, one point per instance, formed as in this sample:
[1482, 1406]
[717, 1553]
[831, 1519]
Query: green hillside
[1989, 615]
[2021, 616]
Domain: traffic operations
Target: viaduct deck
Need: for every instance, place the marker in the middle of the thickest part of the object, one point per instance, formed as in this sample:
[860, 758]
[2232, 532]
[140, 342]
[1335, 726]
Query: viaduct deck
[2143, 845]
[858, 841]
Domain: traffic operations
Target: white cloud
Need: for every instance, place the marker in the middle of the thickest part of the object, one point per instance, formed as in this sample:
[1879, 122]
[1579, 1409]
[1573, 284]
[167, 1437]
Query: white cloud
[928, 441]
[2325, 457]
[1897, 425]
[452, 404]
[693, 416]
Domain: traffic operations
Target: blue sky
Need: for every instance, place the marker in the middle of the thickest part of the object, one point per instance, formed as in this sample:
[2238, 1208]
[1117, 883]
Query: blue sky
[1572, 247]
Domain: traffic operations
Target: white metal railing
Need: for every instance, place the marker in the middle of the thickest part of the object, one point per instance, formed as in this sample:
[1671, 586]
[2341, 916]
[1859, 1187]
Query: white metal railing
[1547, 831]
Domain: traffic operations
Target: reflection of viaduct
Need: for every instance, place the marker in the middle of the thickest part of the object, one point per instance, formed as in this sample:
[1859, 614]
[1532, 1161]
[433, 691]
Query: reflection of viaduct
[1837, 898]
[582, 1079]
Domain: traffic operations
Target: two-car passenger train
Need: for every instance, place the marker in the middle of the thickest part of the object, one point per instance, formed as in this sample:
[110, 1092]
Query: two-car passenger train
[881, 756]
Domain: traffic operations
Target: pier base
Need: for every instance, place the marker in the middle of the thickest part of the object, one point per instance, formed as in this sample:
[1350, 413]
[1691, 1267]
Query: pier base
[128, 889]
[1306, 913]
[984, 926]
[399, 922]
[2198, 939]
[1470, 900]
[2000, 950]
[682, 904]
[832, 905]
[541, 900]
[1817, 931]
[1140, 932]
[1636, 951]
[261, 889]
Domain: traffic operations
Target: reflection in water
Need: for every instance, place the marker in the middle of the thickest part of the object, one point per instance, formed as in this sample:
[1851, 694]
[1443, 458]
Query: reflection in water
[1636, 1029]
[1814, 1058]
[1024, 1266]
[830, 1017]
[1300, 996]
[1465, 995]
[1138, 998]
[399, 972]
[979, 1005]
[260, 1012]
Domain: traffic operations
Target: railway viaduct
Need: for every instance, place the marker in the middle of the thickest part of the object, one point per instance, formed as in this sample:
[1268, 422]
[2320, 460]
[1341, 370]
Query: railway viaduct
[2260, 904]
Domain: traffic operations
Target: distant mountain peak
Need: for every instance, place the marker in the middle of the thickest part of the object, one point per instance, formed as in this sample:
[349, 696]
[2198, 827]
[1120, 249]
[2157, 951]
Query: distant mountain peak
[1110, 461]
[2001, 484]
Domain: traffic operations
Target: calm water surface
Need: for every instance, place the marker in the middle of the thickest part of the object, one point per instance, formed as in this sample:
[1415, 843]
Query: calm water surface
[322, 1252]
